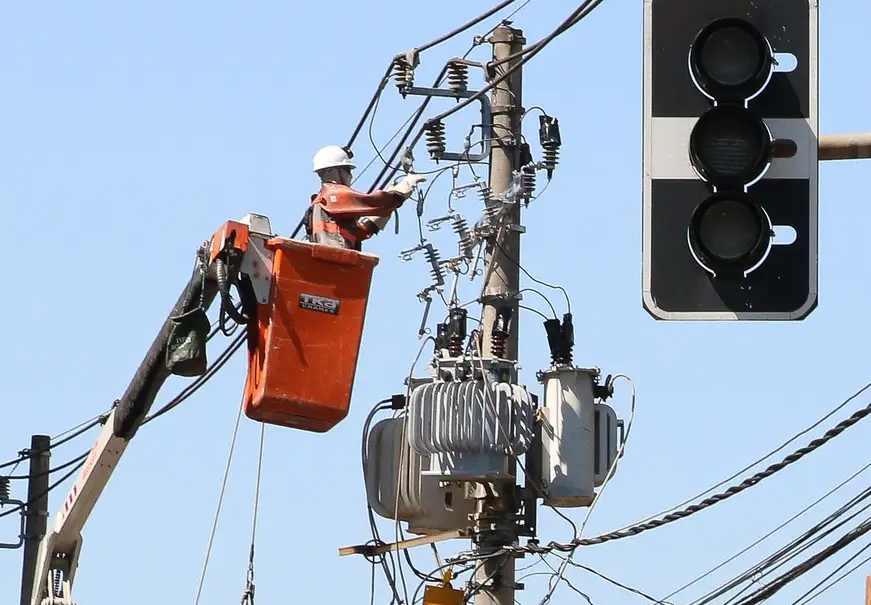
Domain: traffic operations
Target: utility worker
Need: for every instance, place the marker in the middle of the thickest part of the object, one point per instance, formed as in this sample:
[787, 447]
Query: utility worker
[342, 217]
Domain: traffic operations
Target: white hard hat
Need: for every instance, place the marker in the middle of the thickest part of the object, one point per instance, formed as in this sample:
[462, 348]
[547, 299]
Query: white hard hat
[331, 156]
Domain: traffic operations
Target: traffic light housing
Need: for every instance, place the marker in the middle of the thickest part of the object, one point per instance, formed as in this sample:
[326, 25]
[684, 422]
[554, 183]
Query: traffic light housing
[730, 159]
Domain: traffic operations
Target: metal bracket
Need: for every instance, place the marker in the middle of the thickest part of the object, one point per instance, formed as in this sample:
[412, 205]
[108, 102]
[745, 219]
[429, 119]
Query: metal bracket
[486, 121]
[21, 529]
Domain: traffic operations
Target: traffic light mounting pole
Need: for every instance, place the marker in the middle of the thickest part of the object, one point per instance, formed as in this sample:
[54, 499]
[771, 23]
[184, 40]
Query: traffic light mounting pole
[845, 147]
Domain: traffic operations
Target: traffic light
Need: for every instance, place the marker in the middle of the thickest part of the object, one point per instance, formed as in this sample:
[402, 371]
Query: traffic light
[730, 159]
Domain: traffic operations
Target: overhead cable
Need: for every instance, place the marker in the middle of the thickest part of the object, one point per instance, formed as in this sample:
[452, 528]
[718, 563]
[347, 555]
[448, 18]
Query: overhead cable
[415, 117]
[756, 462]
[770, 589]
[582, 11]
[443, 38]
[712, 500]
[577, 15]
[44, 492]
[802, 512]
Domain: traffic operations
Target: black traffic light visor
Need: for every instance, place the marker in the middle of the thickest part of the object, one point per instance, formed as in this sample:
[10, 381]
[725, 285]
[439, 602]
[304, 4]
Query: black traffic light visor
[730, 146]
[730, 233]
[731, 60]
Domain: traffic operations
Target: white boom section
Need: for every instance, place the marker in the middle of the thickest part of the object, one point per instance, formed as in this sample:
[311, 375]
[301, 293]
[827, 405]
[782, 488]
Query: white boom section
[59, 549]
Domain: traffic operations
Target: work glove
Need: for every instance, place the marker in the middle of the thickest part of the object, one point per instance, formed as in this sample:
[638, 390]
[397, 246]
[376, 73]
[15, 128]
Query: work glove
[407, 185]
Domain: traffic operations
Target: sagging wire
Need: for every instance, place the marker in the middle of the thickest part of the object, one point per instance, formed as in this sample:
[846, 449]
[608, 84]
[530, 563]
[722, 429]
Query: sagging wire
[793, 549]
[248, 593]
[835, 582]
[83, 427]
[835, 571]
[50, 471]
[478, 40]
[390, 571]
[769, 590]
[770, 533]
[620, 585]
[70, 434]
[51, 487]
[220, 503]
[634, 530]
[441, 39]
[194, 386]
[613, 468]
[516, 263]
[760, 460]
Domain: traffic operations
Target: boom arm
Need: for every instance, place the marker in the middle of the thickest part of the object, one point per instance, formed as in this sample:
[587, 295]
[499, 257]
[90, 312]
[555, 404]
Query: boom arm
[59, 549]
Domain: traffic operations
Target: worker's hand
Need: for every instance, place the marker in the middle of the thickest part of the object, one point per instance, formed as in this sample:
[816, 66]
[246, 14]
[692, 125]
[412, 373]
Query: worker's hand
[413, 179]
[407, 185]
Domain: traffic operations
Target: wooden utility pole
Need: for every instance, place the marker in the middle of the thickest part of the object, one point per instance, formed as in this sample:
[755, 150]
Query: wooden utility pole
[35, 510]
[496, 502]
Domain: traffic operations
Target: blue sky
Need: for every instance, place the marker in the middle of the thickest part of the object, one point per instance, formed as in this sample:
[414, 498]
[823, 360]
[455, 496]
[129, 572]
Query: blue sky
[130, 132]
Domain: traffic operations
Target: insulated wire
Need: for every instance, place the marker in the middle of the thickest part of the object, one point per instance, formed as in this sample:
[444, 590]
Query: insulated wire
[535, 45]
[716, 498]
[44, 492]
[836, 570]
[789, 552]
[443, 38]
[382, 405]
[737, 474]
[576, 16]
[793, 574]
[560, 574]
[220, 503]
[771, 533]
[422, 107]
[573, 19]
[836, 581]
[83, 427]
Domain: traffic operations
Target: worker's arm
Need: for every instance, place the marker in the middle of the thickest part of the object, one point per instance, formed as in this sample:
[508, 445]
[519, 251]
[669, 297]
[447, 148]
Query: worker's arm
[354, 204]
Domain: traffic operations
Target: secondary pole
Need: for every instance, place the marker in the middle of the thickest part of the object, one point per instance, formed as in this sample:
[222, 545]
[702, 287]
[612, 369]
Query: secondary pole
[496, 502]
[35, 510]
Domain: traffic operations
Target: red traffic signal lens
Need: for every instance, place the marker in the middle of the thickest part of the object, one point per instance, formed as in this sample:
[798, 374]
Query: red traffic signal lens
[731, 59]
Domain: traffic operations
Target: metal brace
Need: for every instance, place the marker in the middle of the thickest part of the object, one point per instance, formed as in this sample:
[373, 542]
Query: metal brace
[486, 117]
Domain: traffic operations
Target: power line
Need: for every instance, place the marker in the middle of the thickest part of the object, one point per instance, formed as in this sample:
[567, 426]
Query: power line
[791, 550]
[51, 470]
[740, 472]
[50, 488]
[83, 427]
[712, 500]
[415, 117]
[577, 15]
[770, 533]
[443, 38]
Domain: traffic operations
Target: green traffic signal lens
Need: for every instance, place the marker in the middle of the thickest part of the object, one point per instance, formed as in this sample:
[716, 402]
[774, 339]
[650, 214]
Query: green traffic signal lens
[729, 232]
[731, 59]
[730, 146]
